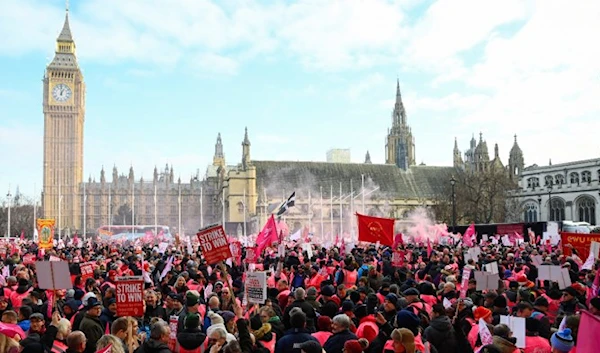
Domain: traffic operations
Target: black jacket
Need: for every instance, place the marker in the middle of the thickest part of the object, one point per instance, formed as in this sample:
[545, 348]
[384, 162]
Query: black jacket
[307, 308]
[330, 308]
[441, 334]
[335, 343]
[191, 338]
[153, 346]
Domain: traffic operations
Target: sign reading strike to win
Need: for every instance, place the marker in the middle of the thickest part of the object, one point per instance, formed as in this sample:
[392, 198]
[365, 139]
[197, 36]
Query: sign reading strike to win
[130, 296]
[213, 243]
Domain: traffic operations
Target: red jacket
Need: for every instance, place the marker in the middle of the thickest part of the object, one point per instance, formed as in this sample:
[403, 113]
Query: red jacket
[367, 328]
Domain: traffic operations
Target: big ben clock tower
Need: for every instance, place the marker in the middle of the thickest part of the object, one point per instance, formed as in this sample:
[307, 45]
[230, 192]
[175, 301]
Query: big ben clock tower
[64, 116]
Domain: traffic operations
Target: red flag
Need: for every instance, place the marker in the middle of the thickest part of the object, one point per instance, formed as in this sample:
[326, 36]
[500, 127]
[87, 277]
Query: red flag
[588, 339]
[22, 234]
[429, 249]
[398, 241]
[375, 229]
[267, 236]
[468, 236]
[337, 240]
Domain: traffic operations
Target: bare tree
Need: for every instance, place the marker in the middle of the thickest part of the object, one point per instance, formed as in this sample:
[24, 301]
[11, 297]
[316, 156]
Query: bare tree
[21, 216]
[481, 197]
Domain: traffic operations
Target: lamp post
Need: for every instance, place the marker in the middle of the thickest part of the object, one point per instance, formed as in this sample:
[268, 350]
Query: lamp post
[540, 206]
[8, 200]
[549, 202]
[453, 182]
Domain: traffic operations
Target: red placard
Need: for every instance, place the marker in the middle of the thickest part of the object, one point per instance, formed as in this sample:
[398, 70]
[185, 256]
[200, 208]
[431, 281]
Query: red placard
[28, 259]
[130, 296]
[214, 245]
[251, 255]
[510, 229]
[87, 270]
[398, 258]
[580, 242]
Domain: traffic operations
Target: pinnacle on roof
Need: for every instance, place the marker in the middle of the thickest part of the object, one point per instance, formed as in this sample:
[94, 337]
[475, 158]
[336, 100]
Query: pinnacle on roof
[246, 139]
[65, 34]
[397, 87]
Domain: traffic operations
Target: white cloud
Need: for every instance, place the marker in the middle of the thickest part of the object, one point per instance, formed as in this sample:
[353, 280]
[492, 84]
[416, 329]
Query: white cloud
[216, 64]
[369, 82]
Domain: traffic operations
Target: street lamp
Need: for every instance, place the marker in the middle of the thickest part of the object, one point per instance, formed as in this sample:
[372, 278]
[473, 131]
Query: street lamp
[550, 218]
[453, 182]
[8, 196]
[540, 206]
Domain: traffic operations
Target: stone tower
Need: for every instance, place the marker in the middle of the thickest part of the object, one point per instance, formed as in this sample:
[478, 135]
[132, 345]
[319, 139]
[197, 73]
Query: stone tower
[458, 162]
[219, 157]
[64, 117]
[516, 162]
[400, 146]
[246, 150]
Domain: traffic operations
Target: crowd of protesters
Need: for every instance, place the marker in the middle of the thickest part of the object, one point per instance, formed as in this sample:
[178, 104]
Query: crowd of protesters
[331, 302]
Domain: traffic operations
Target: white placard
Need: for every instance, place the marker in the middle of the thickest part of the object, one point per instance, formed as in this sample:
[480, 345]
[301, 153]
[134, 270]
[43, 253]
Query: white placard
[552, 228]
[537, 260]
[564, 281]
[447, 303]
[162, 247]
[595, 248]
[53, 275]
[256, 287]
[484, 237]
[492, 267]
[486, 280]
[517, 326]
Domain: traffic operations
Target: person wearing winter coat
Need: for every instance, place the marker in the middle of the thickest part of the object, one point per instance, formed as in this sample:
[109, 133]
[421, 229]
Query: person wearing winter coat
[191, 338]
[440, 332]
[300, 302]
[159, 339]
[296, 335]
[341, 334]
[503, 339]
[91, 326]
[267, 315]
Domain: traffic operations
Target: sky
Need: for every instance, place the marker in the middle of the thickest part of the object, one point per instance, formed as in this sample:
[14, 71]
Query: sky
[165, 76]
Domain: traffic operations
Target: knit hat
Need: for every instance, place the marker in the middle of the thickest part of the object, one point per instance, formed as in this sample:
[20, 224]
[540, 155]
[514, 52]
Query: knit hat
[522, 279]
[353, 346]
[311, 292]
[227, 316]
[407, 319]
[324, 323]
[192, 320]
[500, 302]
[571, 291]
[392, 298]
[360, 311]
[191, 299]
[541, 301]
[311, 347]
[347, 305]
[255, 323]
[562, 340]
[411, 291]
[532, 324]
[481, 313]
[328, 291]
[215, 318]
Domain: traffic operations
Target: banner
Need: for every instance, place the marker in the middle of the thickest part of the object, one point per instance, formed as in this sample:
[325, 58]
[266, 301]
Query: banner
[513, 228]
[214, 245]
[464, 284]
[256, 287]
[588, 339]
[580, 242]
[376, 229]
[250, 255]
[130, 296]
[45, 228]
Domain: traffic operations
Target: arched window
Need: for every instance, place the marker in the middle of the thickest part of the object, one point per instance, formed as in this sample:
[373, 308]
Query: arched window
[586, 209]
[240, 207]
[559, 179]
[586, 176]
[533, 182]
[530, 213]
[557, 210]
[548, 180]
[574, 178]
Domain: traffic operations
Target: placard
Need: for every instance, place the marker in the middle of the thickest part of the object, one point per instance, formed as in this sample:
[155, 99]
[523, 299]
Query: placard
[87, 270]
[162, 247]
[28, 259]
[45, 228]
[130, 296]
[256, 287]
[486, 280]
[251, 255]
[53, 275]
[517, 326]
[492, 267]
[464, 284]
[398, 258]
[214, 245]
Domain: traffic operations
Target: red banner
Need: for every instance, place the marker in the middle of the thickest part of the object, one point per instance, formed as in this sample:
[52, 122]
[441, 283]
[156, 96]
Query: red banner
[87, 270]
[236, 251]
[580, 242]
[510, 229]
[214, 245]
[376, 229]
[28, 259]
[250, 255]
[130, 296]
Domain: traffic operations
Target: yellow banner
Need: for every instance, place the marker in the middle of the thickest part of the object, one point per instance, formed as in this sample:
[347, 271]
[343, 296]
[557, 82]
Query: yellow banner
[46, 233]
[105, 232]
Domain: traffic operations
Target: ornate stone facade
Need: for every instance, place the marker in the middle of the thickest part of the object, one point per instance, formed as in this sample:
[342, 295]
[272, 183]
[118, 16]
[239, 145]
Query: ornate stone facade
[400, 145]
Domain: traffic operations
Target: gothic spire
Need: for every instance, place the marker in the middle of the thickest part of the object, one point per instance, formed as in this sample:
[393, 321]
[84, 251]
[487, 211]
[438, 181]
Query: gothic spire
[219, 147]
[398, 96]
[246, 139]
[455, 144]
[368, 158]
[65, 35]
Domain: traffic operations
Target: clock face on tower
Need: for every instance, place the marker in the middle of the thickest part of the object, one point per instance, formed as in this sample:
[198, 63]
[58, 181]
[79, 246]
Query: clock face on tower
[61, 92]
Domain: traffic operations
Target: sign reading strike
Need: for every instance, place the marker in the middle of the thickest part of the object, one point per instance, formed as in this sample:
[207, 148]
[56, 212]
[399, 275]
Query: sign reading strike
[130, 295]
[580, 242]
[87, 270]
[213, 243]
[256, 287]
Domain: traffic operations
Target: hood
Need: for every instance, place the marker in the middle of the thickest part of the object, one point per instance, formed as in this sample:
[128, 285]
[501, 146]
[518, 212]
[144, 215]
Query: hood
[504, 345]
[191, 339]
[441, 323]
[262, 331]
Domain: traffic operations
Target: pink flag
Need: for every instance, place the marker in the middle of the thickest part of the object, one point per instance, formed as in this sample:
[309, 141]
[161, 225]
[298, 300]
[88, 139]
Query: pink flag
[267, 236]
[398, 241]
[588, 339]
[468, 236]
[593, 292]
[50, 297]
[532, 238]
[429, 249]
[22, 235]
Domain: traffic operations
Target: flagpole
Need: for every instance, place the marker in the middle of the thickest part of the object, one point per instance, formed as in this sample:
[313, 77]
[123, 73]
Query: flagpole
[109, 208]
[322, 228]
[155, 211]
[34, 209]
[341, 214]
[244, 204]
[59, 210]
[331, 210]
[309, 214]
[351, 210]
[362, 190]
[179, 210]
[201, 208]
[84, 213]
[223, 208]
[132, 207]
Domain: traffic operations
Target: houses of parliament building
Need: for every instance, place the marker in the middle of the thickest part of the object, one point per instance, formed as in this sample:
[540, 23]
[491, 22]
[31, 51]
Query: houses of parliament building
[241, 195]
